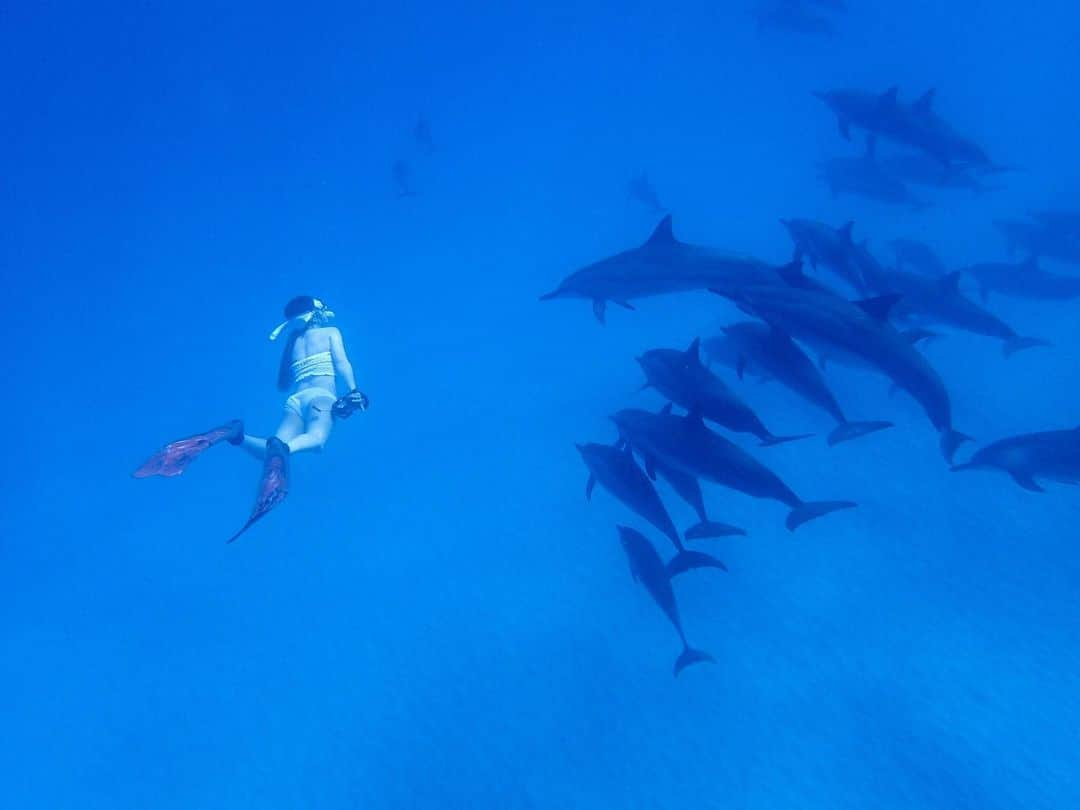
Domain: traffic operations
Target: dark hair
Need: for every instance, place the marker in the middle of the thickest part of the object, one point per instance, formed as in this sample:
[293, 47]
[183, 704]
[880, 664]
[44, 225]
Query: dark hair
[299, 305]
[284, 374]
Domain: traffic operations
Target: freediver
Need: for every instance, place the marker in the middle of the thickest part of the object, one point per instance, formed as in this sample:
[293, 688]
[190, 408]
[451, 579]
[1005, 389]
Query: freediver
[312, 360]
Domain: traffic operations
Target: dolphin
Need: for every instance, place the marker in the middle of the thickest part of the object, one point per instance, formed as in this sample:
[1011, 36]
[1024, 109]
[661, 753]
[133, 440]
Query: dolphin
[617, 472]
[1053, 455]
[1039, 240]
[939, 300]
[792, 15]
[865, 177]
[762, 348]
[860, 331]
[642, 190]
[912, 254]
[875, 113]
[680, 377]
[422, 135]
[402, 176]
[1023, 280]
[647, 568]
[917, 169]
[828, 247]
[688, 488]
[660, 266]
[684, 443]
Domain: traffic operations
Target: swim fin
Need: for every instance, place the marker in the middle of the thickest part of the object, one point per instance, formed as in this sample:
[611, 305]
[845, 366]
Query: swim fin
[274, 484]
[175, 457]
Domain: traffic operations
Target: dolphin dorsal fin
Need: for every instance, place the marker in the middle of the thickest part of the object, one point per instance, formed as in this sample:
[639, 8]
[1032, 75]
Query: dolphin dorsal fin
[792, 273]
[845, 231]
[662, 235]
[880, 307]
[888, 98]
[694, 351]
[925, 103]
[951, 282]
[666, 410]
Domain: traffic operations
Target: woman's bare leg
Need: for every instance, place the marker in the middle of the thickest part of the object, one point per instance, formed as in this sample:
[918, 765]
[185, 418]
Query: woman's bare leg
[320, 422]
[291, 426]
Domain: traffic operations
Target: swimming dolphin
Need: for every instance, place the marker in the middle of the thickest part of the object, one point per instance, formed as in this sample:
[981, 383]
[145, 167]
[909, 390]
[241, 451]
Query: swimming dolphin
[402, 176]
[1053, 455]
[422, 135]
[1022, 280]
[875, 113]
[688, 488]
[680, 377]
[617, 472]
[684, 443]
[647, 568]
[939, 300]
[1039, 240]
[662, 265]
[792, 15]
[772, 354]
[862, 331]
[912, 254]
[642, 190]
[917, 169]
[831, 248]
[865, 177]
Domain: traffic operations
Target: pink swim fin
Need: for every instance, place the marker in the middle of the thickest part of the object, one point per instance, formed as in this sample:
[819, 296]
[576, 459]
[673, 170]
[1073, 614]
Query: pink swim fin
[274, 484]
[175, 457]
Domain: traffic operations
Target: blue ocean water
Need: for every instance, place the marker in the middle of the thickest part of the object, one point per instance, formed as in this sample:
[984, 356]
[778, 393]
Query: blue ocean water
[436, 617]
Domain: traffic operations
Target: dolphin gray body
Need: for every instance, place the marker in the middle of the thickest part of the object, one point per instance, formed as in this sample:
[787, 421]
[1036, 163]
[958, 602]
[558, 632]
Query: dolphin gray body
[772, 354]
[681, 377]
[660, 266]
[1052, 455]
[916, 125]
[917, 169]
[684, 443]
[642, 190]
[865, 177]
[796, 16]
[1039, 240]
[828, 247]
[861, 331]
[939, 300]
[617, 472]
[1023, 280]
[422, 135]
[647, 568]
[912, 254]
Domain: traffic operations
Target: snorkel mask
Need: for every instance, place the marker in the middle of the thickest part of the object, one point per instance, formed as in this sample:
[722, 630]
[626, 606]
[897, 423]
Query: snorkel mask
[318, 311]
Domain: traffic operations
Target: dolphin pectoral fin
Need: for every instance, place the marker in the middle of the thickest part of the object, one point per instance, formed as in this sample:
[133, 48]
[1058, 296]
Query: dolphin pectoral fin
[950, 441]
[809, 510]
[626, 305]
[687, 560]
[853, 430]
[691, 656]
[599, 307]
[740, 367]
[709, 528]
[590, 485]
[1025, 480]
[918, 335]
[650, 468]
[772, 440]
[880, 307]
[1018, 344]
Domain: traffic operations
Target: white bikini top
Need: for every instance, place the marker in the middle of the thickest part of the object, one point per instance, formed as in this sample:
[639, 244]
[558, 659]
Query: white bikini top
[320, 364]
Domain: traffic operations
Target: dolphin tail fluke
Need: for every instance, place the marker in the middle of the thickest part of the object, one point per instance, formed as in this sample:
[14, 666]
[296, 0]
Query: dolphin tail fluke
[853, 430]
[1018, 344]
[811, 510]
[950, 441]
[688, 560]
[771, 440]
[691, 656]
[710, 528]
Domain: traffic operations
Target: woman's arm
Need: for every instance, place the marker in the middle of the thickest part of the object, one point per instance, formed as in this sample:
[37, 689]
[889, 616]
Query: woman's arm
[341, 360]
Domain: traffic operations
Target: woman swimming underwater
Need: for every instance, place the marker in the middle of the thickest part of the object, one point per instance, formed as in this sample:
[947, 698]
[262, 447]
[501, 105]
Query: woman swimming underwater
[312, 361]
